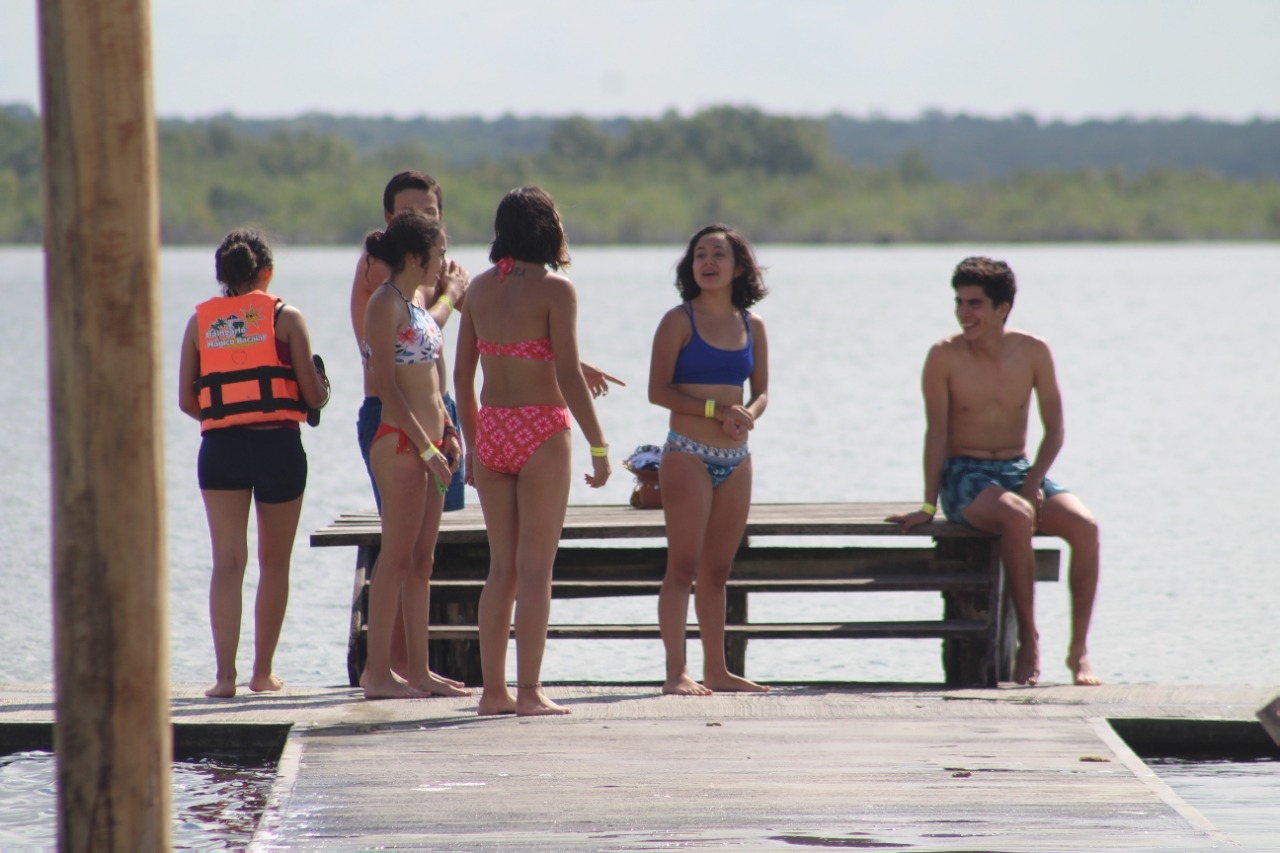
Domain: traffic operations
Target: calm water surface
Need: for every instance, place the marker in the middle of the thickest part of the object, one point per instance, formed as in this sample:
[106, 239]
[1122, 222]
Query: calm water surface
[215, 806]
[1165, 355]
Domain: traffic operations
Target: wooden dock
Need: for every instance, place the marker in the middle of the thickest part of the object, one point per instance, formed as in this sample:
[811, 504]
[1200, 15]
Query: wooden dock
[865, 767]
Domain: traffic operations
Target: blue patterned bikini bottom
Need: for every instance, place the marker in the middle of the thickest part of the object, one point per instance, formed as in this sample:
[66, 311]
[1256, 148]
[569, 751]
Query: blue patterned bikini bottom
[720, 461]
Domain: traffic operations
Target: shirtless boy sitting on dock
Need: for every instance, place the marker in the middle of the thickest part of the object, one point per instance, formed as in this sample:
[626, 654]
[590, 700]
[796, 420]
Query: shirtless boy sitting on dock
[977, 395]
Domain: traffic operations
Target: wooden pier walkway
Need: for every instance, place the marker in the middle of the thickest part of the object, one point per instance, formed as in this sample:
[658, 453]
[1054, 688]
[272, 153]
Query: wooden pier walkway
[864, 767]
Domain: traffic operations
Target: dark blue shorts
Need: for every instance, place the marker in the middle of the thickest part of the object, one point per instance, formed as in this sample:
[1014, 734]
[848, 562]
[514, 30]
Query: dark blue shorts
[367, 425]
[271, 462]
[964, 478]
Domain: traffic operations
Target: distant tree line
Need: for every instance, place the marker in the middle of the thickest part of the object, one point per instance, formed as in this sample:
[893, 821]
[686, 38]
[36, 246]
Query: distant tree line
[318, 178]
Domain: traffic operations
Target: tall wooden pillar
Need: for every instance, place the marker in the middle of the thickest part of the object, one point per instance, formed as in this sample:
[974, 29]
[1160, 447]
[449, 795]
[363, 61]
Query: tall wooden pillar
[101, 228]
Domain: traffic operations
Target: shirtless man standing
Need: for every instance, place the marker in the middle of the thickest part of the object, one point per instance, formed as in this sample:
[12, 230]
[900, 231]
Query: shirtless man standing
[977, 395]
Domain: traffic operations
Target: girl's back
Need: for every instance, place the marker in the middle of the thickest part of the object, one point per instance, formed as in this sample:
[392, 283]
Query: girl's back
[523, 319]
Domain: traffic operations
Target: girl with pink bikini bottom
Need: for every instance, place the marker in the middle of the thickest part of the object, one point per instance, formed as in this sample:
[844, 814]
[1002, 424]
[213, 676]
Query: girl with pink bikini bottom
[520, 331]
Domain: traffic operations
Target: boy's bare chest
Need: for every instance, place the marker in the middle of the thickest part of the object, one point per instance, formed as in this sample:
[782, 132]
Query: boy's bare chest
[980, 384]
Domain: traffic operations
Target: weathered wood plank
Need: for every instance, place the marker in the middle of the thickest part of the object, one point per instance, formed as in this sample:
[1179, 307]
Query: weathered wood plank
[756, 631]
[623, 522]
[887, 582]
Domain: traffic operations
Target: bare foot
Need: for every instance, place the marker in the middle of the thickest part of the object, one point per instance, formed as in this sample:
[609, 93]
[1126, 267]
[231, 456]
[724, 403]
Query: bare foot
[392, 688]
[1026, 665]
[493, 702]
[532, 702]
[434, 685]
[685, 686]
[730, 683]
[223, 689]
[1081, 671]
[449, 681]
[269, 684]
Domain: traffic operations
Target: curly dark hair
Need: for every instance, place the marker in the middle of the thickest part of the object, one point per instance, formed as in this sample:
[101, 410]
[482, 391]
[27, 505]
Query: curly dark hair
[409, 232]
[237, 262]
[994, 277]
[748, 285]
[527, 227]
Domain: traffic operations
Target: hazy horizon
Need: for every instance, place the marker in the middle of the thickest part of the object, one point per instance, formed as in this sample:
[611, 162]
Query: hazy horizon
[1055, 60]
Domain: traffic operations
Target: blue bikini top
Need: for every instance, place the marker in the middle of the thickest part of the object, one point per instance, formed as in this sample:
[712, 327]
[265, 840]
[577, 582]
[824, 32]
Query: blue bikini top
[699, 363]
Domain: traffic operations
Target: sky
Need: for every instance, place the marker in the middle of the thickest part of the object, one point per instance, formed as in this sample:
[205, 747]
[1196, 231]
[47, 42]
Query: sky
[1055, 60]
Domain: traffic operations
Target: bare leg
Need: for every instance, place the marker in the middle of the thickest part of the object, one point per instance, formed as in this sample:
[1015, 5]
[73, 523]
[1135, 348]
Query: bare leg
[686, 507]
[228, 516]
[501, 519]
[415, 604]
[542, 495]
[730, 503]
[277, 525]
[1064, 515]
[400, 648]
[1007, 514]
[399, 645]
[402, 482]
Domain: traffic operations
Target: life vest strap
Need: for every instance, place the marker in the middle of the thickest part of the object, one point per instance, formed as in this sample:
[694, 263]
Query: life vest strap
[268, 402]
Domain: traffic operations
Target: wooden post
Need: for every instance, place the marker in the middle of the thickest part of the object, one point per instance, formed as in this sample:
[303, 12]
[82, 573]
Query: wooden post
[112, 736]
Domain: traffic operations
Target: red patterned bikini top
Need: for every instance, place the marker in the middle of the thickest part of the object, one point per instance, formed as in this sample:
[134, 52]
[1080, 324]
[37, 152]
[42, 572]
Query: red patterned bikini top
[535, 350]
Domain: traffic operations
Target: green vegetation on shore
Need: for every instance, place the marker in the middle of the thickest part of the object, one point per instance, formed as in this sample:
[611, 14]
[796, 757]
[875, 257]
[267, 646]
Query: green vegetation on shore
[318, 179]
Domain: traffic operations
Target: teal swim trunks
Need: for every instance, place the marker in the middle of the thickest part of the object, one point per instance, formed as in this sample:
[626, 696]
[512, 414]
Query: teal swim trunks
[964, 477]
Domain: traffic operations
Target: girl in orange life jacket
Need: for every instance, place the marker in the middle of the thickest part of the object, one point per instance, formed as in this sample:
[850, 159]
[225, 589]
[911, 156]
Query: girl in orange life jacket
[413, 455]
[248, 376]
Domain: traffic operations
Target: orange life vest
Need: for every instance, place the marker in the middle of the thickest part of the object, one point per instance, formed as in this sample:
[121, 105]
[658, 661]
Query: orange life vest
[242, 379]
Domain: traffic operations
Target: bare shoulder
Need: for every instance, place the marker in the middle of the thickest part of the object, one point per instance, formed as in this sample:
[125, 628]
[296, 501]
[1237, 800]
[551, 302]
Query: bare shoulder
[289, 317]
[675, 320]
[1026, 347]
[946, 351]
[369, 273]
[558, 284]
[756, 322]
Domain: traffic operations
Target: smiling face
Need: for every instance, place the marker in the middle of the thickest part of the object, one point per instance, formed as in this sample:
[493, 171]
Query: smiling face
[714, 266]
[977, 316]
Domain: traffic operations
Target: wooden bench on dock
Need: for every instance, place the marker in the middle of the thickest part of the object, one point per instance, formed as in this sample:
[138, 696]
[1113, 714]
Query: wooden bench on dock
[976, 624]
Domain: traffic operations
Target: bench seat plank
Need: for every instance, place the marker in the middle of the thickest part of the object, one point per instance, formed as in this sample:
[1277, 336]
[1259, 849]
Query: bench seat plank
[953, 628]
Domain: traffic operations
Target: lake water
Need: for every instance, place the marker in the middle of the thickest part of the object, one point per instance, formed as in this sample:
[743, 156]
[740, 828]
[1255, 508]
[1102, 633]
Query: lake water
[1164, 353]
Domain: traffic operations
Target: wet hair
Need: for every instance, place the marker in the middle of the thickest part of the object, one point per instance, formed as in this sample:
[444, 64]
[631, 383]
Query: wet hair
[527, 227]
[412, 180]
[994, 277]
[748, 285]
[410, 232]
[243, 254]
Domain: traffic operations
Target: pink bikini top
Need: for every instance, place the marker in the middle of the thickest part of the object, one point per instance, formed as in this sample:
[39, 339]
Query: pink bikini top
[536, 350]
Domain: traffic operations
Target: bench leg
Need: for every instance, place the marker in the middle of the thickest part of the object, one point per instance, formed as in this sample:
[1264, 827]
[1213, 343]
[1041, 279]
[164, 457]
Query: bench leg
[965, 661]
[735, 648]
[459, 659]
[366, 556]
